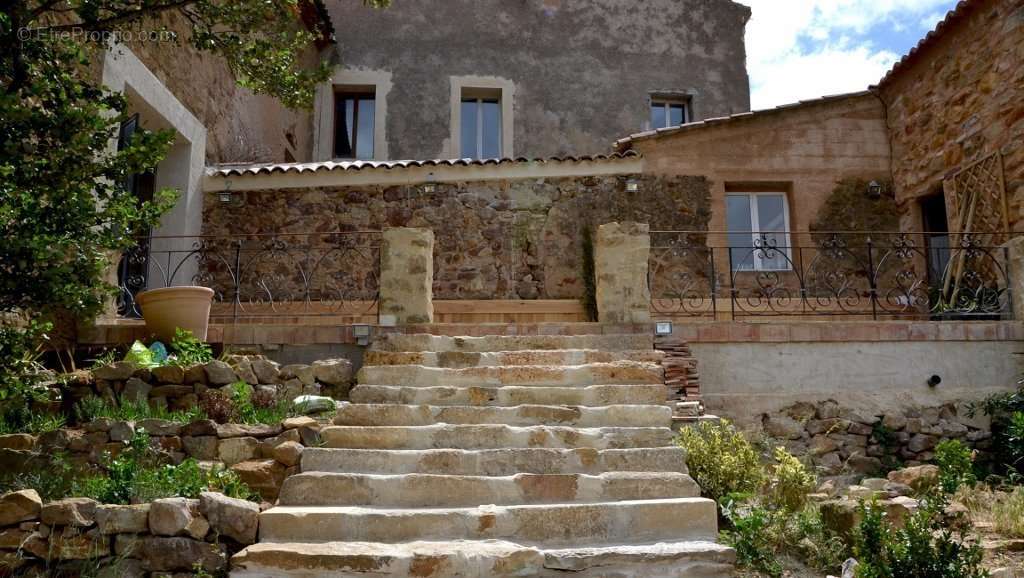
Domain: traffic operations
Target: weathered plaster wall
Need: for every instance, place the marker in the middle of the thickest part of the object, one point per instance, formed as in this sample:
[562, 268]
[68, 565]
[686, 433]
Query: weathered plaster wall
[583, 70]
[241, 126]
[959, 100]
[501, 239]
[802, 151]
[744, 380]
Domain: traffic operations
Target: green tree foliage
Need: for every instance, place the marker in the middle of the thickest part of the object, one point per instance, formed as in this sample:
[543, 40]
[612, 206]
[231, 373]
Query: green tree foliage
[64, 209]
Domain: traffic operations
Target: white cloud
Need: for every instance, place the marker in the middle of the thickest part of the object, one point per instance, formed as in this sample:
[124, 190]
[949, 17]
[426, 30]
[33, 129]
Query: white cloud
[801, 49]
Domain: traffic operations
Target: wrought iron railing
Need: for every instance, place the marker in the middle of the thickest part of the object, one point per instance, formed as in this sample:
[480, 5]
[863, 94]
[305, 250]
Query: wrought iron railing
[256, 276]
[869, 275]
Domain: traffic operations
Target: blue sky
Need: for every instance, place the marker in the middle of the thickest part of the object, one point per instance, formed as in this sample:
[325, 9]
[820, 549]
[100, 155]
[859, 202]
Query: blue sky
[801, 49]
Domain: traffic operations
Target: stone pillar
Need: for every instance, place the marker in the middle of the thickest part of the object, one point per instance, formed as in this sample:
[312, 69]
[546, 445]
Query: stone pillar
[1015, 275]
[407, 277]
[621, 254]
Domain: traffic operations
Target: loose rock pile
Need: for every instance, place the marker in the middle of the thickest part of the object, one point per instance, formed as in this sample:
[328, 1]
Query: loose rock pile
[837, 439]
[170, 535]
[262, 455]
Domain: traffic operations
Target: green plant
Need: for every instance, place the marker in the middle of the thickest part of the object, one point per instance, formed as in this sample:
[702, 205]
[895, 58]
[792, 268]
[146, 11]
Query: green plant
[721, 460]
[921, 548]
[1013, 438]
[956, 465]
[139, 474]
[751, 537]
[91, 408]
[789, 482]
[587, 274]
[186, 349]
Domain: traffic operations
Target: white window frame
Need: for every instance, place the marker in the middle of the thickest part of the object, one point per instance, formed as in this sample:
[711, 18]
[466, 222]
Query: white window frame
[756, 232]
[479, 100]
[667, 104]
[468, 85]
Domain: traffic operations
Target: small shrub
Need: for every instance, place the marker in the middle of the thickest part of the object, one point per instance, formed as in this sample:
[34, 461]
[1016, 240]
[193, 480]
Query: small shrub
[790, 482]
[186, 349]
[721, 460]
[923, 547]
[956, 465]
[751, 537]
[217, 406]
[1014, 442]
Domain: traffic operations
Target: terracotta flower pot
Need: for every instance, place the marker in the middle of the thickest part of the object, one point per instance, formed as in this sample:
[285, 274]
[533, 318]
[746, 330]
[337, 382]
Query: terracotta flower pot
[168, 309]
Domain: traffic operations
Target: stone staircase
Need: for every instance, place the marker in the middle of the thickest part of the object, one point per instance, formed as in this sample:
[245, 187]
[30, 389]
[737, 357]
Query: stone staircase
[491, 457]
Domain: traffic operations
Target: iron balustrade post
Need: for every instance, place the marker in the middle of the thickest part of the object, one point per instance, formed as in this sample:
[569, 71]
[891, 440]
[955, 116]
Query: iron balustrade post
[237, 277]
[872, 282]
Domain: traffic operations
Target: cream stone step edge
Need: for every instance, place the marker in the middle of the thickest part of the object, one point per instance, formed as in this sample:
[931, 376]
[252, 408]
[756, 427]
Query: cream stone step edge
[463, 359]
[446, 491]
[617, 373]
[494, 462]
[474, 437]
[482, 559]
[550, 525]
[426, 342]
[512, 395]
[523, 415]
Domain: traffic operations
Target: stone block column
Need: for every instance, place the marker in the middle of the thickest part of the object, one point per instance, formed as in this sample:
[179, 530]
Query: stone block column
[621, 255]
[407, 277]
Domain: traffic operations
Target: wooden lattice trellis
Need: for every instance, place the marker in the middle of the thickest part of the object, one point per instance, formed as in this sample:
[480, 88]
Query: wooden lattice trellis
[978, 197]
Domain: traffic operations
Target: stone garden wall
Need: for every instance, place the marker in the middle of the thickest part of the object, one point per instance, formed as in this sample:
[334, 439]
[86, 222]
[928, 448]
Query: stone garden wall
[173, 535]
[179, 388]
[838, 440]
[503, 239]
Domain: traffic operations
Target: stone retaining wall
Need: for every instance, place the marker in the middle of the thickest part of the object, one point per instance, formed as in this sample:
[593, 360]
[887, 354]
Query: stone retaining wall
[177, 388]
[262, 455]
[838, 440]
[173, 535]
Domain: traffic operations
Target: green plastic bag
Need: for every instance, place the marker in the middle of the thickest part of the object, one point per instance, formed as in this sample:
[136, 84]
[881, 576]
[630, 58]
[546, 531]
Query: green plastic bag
[140, 355]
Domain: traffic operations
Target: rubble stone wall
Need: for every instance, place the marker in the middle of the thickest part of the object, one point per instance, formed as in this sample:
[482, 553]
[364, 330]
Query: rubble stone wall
[959, 100]
[509, 239]
[176, 536]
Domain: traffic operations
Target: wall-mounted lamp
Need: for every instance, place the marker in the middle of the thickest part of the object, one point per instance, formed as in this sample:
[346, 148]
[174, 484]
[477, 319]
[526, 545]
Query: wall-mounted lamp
[429, 188]
[663, 328]
[226, 197]
[632, 186]
[874, 190]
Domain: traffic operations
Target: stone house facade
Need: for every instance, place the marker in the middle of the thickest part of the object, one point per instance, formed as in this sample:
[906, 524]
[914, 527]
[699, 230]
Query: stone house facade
[553, 77]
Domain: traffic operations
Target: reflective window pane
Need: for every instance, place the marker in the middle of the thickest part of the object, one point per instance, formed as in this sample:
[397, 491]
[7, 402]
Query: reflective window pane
[676, 115]
[658, 119]
[491, 132]
[738, 224]
[365, 126]
[469, 129]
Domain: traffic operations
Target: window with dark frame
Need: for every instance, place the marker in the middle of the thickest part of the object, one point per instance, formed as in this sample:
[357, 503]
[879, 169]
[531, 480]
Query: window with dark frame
[354, 116]
[666, 113]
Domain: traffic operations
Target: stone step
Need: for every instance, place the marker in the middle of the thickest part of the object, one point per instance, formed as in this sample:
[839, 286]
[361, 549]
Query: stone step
[425, 342]
[434, 491]
[495, 462]
[462, 359]
[553, 525]
[523, 415]
[482, 559]
[475, 437]
[512, 395]
[618, 373]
